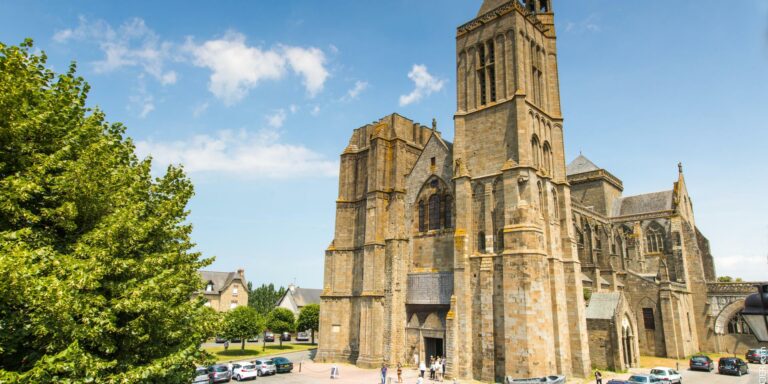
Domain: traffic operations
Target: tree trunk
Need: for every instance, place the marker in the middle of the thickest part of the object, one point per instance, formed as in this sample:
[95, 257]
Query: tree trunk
[313, 336]
[242, 346]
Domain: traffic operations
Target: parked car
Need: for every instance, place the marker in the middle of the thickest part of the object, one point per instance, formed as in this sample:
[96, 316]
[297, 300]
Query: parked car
[244, 370]
[759, 356]
[642, 378]
[616, 381]
[302, 336]
[702, 363]
[220, 339]
[732, 366]
[219, 373]
[269, 336]
[282, 364]
[265, 367]
[254, 339]
[668, 374]
[201, 376]
[286, 336]
[236, 340]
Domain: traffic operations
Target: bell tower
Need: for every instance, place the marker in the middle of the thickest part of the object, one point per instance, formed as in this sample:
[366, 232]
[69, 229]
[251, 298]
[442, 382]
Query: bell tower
[517, 278]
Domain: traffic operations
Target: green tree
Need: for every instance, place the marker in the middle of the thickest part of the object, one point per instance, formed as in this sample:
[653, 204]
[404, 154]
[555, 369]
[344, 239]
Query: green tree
[97, 272]
[724, 279]
[242, 323]
[309, 319]
[264, 298]
[281, 320]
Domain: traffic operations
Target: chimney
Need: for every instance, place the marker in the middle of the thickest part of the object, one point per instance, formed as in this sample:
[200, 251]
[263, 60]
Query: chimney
[241, 273]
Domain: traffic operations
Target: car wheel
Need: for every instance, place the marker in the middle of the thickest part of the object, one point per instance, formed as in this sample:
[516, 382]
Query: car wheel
[239, 378]
[258, 373]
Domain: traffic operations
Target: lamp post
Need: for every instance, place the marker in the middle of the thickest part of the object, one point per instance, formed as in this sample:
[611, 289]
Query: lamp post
[756, 312]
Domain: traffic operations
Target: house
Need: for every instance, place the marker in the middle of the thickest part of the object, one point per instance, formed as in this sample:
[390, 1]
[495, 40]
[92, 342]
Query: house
[296, 298]
[224, 290]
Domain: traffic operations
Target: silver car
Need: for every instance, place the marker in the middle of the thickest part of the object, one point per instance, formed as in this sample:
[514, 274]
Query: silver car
[201, 376]
[219, 373]
[265, 367]
[642, 378]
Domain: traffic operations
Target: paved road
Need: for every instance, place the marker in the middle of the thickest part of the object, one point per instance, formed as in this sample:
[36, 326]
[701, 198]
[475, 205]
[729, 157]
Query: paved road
[702, 377]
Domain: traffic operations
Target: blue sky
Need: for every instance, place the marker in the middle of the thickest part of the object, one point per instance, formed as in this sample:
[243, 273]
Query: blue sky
[258, 99]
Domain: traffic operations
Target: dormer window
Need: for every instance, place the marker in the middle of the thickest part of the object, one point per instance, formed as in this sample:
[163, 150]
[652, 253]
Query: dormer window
[209, 287]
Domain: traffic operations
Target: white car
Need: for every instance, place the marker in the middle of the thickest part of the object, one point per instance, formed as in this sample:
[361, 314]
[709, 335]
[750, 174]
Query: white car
[668, 374]
[244, 370]
[265, 367]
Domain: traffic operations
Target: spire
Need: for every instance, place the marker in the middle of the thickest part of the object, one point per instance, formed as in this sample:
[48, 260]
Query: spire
[434, 124]
[680, 167]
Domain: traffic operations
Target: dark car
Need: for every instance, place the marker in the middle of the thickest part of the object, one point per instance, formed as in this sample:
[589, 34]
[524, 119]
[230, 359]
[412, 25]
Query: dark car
[282, 364]
[285, 336]
[701, 363]
[269, 336]
[732, 366]
[219, 373]
[759, 356]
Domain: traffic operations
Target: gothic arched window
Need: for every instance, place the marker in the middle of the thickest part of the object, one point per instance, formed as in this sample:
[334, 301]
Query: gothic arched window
[422, 223]
[447, 211]
[547, 158]
[434, 212]
[535, 150]
[654, 238]
[737, 325]
[481, 241]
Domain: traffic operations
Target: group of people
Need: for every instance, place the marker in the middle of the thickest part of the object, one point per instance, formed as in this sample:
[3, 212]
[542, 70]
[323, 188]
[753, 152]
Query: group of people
[436, 368]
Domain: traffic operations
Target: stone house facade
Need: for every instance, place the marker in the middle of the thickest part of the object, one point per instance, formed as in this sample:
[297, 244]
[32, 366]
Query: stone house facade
[485, 250]
[224, 290]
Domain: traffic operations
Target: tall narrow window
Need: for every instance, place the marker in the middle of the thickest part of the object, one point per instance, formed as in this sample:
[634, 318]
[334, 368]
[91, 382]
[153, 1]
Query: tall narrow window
[481, 72]
[555, 205]
[654, 239]
[434, 212]
[481, 241]
[490, 69]
[537, 75]
[447, 221]
[535, 148]
[422, 224]
[648, 319]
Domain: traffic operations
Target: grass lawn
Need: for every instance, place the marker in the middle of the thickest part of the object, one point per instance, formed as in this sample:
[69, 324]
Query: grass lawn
[235, 353]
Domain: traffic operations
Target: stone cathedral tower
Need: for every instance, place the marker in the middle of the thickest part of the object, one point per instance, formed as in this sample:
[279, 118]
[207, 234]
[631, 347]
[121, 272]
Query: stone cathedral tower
[517, 275]
[467, 250]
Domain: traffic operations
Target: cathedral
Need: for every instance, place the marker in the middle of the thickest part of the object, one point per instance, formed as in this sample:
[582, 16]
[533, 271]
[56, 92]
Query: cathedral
[490, 251]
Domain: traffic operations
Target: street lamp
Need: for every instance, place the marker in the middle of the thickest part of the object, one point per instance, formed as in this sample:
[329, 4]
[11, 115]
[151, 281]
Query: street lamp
[756, 312]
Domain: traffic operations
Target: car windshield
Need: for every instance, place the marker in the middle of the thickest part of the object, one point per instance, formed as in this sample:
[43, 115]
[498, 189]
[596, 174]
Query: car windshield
[269, 362]
[699, 359]
[220, 368]
[249, 366]
[201, 371]
[661, 372]
[639, 379]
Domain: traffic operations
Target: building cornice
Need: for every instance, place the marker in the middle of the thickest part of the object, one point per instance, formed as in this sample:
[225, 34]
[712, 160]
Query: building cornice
[497, 12]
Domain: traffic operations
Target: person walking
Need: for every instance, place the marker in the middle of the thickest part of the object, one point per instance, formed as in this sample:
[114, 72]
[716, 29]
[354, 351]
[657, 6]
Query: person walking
[432, 369]
[598, 377]
[383, 374]
[422, 368]
[442, 365]
[399, 372]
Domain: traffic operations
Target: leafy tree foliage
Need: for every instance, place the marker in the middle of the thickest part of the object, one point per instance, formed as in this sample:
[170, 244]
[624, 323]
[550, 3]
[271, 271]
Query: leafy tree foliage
[95, 259]
[281, 320]
[264, 298]
[728, 279]
[242, 323]
[309, 319]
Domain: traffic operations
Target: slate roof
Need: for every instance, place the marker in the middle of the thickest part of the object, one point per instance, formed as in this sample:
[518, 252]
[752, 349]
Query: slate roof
[602, 305]
[580, 165]
[220, 280]
[304, 296]
[646, 203]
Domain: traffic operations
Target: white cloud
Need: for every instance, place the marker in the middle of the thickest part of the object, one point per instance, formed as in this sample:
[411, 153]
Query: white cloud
[589, 24]
[141, 101]
[424, 84]
[133, 44]
[200, 109]
[236, 68]
[749, 268]
[241, 154]
[310, 64]
[315, 110]
[277, 119]
[355, 91]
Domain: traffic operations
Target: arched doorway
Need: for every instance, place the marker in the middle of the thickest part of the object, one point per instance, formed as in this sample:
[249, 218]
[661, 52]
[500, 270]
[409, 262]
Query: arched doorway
[628, 343]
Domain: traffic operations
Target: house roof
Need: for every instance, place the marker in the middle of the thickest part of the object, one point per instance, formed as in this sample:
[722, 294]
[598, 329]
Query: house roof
[646, 203]
[220, 280]
[304, 296]
[580, 165]
[602, 305]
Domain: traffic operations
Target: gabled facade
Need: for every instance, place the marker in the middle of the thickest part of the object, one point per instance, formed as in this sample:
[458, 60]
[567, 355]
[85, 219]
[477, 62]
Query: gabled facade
[224, 290]
[296, 298]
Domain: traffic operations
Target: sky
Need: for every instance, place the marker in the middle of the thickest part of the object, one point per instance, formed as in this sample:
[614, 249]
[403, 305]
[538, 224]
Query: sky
[258, 99]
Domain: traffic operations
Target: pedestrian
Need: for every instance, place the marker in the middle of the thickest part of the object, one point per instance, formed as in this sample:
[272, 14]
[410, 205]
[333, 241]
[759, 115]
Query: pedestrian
[598, 377]
[399, 372]
[334, 371]
[443, 366]
[439, 369]
[383, 374]
[226, 345]
[415, 358]
[432, 370]
[422, 368]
